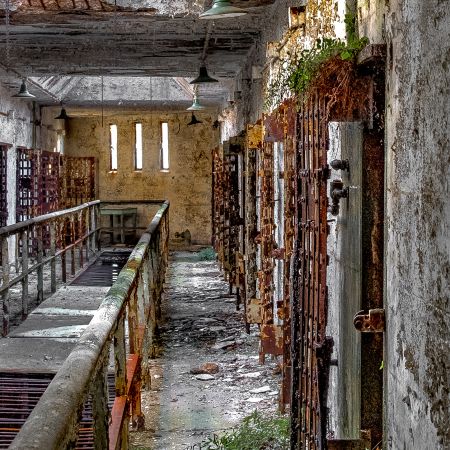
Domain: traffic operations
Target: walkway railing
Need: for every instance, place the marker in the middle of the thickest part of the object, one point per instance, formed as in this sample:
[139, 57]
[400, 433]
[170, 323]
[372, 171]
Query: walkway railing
[40, 241]
[133, 299]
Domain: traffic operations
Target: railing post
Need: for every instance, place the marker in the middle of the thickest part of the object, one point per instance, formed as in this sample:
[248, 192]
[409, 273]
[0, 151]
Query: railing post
[24, 241]
[79, 219]
[99, 394]
[93, 227]
[85, 215]
[63, 252]
[40, 258]
[97, 226]
[52, 254]
[72, 249]
[5, 281]
[120, 358]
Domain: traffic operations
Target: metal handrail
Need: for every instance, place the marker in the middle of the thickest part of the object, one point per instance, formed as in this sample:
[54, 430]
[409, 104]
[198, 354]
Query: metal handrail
[81, 224]
[53, 422]
[16, 227]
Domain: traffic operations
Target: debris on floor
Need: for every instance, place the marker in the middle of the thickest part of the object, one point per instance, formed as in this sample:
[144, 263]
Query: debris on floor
[207, 377]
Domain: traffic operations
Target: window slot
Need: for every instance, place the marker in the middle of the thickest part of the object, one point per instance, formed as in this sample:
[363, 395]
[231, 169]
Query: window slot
[113, 147]
[164, 146]
[138, 147]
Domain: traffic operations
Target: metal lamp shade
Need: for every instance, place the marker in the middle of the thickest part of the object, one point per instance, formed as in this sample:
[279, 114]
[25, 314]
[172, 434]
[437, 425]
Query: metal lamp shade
[196, 106]
[203, 77]
[23, 92]
[221, 9]
[62, 115]
[194, 120]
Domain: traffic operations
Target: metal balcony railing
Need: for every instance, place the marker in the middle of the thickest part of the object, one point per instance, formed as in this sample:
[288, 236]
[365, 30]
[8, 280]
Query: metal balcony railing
[122, 331]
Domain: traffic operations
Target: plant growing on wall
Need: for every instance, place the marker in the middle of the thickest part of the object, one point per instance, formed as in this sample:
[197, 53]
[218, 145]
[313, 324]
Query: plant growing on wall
[298, 71]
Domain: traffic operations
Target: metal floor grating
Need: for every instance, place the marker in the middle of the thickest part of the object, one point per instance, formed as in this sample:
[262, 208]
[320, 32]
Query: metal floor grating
[19, 394]
[104, 271]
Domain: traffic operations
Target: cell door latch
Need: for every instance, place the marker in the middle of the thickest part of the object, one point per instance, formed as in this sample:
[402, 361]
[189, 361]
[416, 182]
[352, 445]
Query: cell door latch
[337, 191]
[373, 322]
[340, 164]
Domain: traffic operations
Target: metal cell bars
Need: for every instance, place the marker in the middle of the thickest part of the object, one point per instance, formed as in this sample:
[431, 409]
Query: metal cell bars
[253, 146]
[77, 181]
[310, 348]
[26, 184]
[266, 238]
[289, 177]
[218, 202]
[3, 185]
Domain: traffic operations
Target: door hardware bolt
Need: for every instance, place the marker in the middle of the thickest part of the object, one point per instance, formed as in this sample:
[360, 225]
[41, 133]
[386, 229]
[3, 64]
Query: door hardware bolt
[340, 164]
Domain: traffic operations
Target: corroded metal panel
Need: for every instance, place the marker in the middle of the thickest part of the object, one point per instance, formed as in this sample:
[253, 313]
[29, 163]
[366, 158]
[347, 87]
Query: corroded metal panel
[253, 145]
[310, 347]
[77, 180]
[27, 184]
[3, 185]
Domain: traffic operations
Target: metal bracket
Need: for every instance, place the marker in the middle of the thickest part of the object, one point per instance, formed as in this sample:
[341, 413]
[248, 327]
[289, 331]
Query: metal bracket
[373, 322]
[337, 191]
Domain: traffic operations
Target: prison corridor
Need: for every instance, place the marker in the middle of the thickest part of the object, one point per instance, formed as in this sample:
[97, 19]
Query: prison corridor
[192, 371]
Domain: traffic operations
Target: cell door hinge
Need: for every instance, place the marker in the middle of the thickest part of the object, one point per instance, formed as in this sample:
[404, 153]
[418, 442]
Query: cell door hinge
[373, 322]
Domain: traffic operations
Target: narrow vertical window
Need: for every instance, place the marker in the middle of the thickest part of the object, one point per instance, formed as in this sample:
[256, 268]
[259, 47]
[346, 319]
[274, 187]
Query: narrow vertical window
[164, 146]
[60, 143]
[138, 147]
[113, 146]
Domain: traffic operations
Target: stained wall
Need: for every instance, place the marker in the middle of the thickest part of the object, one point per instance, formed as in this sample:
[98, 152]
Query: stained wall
[417, 260]
[187, 183]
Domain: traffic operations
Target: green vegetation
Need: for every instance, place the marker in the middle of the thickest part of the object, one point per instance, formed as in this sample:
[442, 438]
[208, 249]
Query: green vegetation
[299, 71]
[254, 433]
[206, 254]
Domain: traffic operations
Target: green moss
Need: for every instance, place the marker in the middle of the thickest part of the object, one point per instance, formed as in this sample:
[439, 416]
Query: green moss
[206, 254]
[297, 73]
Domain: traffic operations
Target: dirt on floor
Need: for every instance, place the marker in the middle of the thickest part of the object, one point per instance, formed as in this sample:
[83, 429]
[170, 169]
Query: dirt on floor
[187, 401]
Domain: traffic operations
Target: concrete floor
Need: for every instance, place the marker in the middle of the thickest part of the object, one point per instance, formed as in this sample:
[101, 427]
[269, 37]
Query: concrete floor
[201, 325]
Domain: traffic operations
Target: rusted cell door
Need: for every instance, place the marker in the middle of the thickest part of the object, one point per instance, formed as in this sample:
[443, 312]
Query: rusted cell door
[48, 182]
[253, 146]
[77, 180]
[27, 184]
[310, 349]
[3, 185]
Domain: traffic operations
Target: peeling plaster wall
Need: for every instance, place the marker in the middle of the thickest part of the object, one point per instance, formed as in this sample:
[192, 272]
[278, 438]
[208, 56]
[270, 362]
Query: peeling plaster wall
[323, 18]
[371, 16]
[187, 184]
[417, 361]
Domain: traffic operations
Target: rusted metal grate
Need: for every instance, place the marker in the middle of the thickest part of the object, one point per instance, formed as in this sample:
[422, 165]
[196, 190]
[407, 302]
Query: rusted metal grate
[311, 349]
[104, 271]
[48, 182]
[77, 181]
[3, 185]
[19, 394]
[27, 184]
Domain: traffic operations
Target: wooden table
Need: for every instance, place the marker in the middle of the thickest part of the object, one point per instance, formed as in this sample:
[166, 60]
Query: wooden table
[121, 212]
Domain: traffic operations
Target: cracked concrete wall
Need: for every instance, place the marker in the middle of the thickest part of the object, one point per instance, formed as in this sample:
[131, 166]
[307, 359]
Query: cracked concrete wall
[417, 348]
[187, 184]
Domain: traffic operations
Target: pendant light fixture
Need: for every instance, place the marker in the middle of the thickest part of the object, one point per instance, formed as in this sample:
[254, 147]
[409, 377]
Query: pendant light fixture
[23, 92]
[222, 9]
[203, 77]
[196, 106]
[62, 115]
[194, 120]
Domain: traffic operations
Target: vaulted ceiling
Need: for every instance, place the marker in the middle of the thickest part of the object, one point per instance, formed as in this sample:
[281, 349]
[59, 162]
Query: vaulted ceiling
[139, 38]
